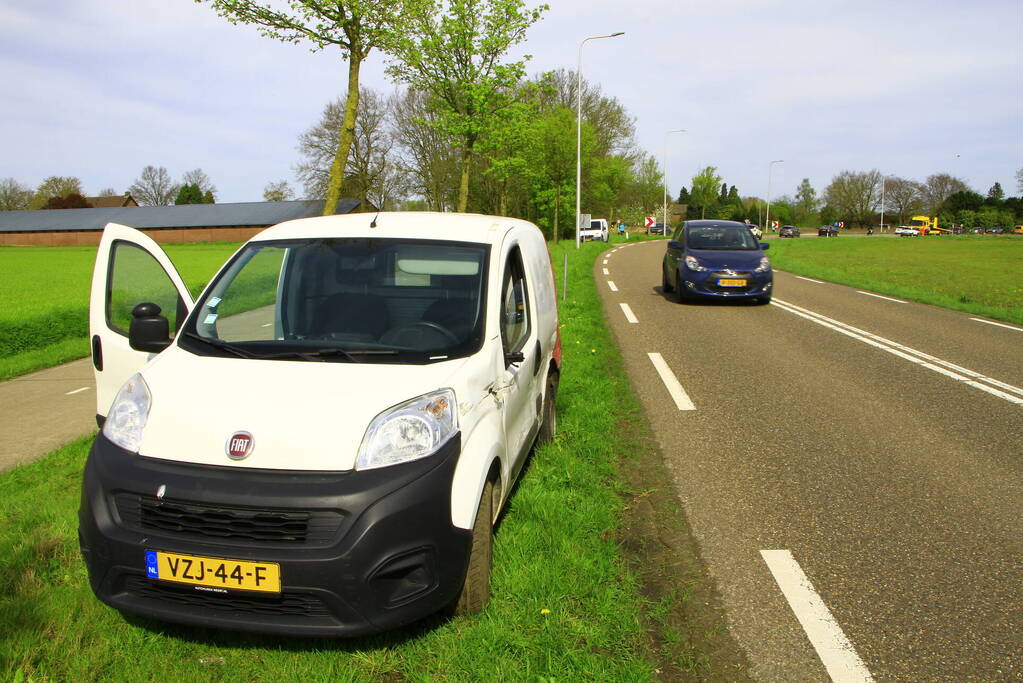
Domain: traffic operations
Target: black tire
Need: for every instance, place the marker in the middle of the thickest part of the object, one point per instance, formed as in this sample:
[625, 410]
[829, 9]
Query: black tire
[549, 421]
[476, 590]
[665, 284]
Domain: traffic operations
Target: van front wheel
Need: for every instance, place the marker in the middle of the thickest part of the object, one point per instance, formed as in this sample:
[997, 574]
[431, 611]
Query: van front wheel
[476, 589]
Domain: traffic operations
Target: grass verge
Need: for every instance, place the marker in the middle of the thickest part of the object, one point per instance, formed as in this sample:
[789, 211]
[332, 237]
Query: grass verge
[569, 602]
[975, 274]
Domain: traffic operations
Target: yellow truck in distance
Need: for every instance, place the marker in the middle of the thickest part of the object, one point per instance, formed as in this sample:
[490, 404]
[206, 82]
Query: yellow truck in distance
[928, 225]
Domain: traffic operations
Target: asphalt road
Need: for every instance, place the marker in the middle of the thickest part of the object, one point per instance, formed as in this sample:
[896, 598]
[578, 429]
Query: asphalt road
[852, 468]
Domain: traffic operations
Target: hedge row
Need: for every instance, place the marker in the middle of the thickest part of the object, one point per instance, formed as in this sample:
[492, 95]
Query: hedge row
[25, 334]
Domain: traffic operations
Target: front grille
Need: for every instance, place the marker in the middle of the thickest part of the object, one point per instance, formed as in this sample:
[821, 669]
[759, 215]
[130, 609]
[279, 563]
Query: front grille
[285, 604]
[229, 525]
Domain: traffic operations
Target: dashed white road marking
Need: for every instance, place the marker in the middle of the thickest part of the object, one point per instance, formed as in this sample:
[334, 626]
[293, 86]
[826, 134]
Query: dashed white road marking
[605, 262]
[810, 279]
[611, 285]
[671, 383]
[629, 315]
[606, 272]
[268, 325]
[925, 360]
[836, 652]
[878, 296]
[991, 322]
[76, 391]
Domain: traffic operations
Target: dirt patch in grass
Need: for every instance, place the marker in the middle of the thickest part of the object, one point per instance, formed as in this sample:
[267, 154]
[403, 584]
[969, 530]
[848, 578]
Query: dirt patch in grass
[685, 622]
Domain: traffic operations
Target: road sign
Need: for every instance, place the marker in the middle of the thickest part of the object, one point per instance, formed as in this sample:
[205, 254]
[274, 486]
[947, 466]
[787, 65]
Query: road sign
[649, 221]
[774, 225]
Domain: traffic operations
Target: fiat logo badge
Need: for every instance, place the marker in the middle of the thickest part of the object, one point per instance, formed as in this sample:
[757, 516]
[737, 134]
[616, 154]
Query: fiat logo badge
[239, 445]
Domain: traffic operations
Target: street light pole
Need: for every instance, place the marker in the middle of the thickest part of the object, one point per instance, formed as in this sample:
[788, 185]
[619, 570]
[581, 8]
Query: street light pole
[664, 169]
[767, 219]
[579, 129]
[880, 228]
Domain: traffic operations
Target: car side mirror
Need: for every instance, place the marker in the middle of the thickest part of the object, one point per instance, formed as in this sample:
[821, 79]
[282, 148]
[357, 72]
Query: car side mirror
[149, 331]
[674, 244]
[765, 246]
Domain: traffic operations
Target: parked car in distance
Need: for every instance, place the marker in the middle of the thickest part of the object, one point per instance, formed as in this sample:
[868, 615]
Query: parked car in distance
[598, 231]
[995, 231]
[713, 259]
[788, 231]
[656, 229]
[321, 443]
[907, 231]
[827, 231]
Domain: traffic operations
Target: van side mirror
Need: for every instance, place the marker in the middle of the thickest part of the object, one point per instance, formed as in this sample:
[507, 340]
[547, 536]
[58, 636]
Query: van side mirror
[149, 331]
[765, 246]
[674, 244]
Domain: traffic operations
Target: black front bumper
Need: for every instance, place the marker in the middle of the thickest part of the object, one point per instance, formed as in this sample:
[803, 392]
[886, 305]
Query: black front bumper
[359, 552]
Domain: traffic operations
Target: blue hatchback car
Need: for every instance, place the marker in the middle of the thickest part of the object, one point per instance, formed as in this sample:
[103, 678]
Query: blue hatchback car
[716, 259]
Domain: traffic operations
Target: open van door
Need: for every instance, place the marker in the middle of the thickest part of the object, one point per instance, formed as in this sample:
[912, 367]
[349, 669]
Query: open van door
[131, 268]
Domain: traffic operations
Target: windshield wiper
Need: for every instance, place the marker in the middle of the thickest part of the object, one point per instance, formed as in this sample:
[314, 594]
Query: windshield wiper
[218, 344]
[322, 354]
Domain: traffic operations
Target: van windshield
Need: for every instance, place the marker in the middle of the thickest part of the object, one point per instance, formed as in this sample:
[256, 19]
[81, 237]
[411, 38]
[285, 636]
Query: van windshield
[347, 300]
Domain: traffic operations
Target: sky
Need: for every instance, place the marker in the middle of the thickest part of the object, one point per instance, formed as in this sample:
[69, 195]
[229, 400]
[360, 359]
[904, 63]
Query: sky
[99, 89]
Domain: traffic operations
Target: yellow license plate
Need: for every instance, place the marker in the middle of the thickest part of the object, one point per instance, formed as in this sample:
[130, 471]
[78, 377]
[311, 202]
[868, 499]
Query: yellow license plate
[214, 572]
[731, 283]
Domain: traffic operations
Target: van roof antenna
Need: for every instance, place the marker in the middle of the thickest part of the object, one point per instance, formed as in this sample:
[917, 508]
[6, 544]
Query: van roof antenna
[373, 223]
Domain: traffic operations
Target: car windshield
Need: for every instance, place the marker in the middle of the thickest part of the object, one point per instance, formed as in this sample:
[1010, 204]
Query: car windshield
[347, 300]
[721, 237]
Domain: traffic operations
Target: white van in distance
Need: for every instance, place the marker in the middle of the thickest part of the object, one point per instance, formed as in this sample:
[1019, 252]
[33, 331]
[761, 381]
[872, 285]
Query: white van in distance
[597, 231]
[325, 443]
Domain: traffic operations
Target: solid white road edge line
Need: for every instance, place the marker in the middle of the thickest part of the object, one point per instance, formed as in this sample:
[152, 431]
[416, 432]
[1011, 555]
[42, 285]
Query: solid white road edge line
[878, 296]
[671, 383]
[629, 315]
[991, 322]
[76, 391]
[836, 652]
[810, 279]
[964, 375]
[611, 286]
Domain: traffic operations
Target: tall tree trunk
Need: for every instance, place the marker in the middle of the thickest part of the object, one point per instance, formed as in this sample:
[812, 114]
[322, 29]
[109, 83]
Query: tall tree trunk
[344, 145]
[463, 186]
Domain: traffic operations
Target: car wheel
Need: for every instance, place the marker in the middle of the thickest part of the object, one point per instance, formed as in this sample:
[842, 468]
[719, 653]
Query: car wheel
[680, 293]
[476, 590]
[665, 284]
[549, 423]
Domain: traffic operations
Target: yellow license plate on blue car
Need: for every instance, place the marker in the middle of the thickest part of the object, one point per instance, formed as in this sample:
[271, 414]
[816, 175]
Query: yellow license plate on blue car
[214, 572]
[731, 283]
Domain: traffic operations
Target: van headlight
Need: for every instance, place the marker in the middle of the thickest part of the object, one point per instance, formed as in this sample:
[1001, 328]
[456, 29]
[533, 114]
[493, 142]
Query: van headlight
[764, 266]
[126, 419]
[409, 431]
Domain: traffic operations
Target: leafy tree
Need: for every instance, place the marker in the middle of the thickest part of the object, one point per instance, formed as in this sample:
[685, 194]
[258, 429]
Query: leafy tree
[55, 186]
[189, 193]
[939, 187]
[278, 192]
[853, 195]
[14, 196]
[202, 181]
[609, 179]
[552, 156]
[903, 198]
[72, 200]
[828, 214]
[355, 27]
[967, 218]
[454, 53]
[705, 190]
[806, 203]
[683, 195]
[153, 187]
[962, 201]
[996, 192]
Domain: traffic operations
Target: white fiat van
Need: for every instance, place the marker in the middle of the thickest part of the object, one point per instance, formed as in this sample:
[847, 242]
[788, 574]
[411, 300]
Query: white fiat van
[320, 444]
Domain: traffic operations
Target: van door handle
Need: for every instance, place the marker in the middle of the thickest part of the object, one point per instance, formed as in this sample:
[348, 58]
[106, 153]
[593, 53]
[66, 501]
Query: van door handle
[536, 359]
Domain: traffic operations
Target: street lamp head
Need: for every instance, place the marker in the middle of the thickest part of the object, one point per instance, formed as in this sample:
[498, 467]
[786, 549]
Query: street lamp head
[615, 35]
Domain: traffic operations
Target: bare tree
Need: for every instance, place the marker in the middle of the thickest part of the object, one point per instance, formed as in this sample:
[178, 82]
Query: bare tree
[154, 187]
[614, 130]
[278, 192]
[939, 187]
[109, 192]
[14, 196]
[902, 197]
[199, 178]
[854, 195]
[428, 157]
[1019, 180]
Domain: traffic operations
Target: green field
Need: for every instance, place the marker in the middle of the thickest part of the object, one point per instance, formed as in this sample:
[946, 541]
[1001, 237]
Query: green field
[975, 274]
[566, 607]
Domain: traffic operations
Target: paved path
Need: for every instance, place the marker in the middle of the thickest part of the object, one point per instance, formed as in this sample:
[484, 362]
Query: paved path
[44, 410]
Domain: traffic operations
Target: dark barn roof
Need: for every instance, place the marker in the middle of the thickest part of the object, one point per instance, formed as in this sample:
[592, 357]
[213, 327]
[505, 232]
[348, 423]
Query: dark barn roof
[156, 217]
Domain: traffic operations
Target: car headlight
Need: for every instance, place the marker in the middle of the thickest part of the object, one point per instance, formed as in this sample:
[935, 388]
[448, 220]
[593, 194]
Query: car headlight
[126, 419]
[764, 266]
[409, 431]
[693, 264]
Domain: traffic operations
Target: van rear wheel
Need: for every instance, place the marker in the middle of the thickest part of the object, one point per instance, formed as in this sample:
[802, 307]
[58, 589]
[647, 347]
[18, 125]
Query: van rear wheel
[549, 421]
[476, 590]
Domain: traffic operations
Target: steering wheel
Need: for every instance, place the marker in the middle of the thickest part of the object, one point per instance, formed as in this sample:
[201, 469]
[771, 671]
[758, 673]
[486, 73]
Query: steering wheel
[391, 336]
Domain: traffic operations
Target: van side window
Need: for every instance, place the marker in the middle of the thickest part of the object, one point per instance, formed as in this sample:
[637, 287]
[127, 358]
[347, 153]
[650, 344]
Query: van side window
[136, 277]
[515, 312]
